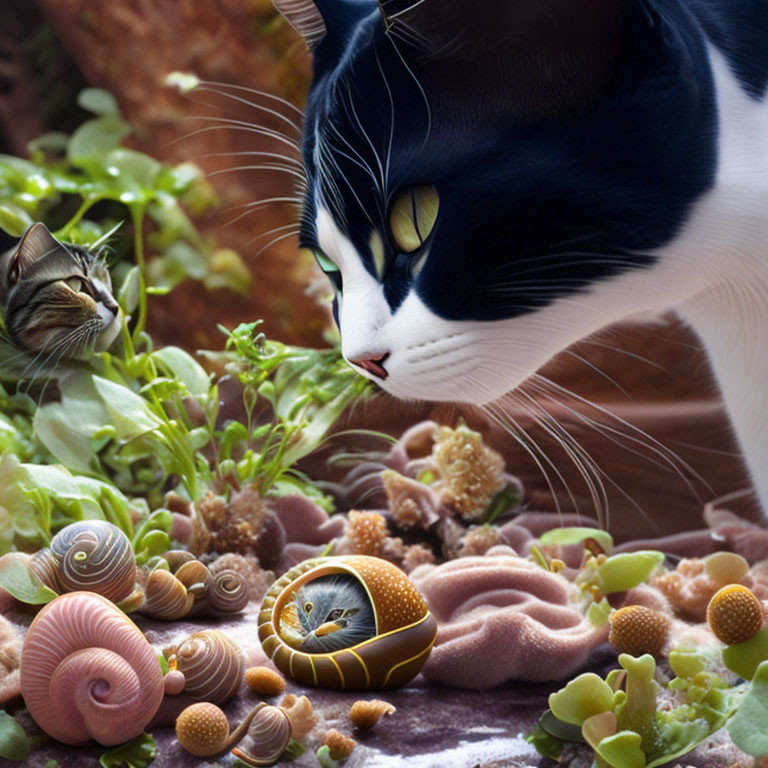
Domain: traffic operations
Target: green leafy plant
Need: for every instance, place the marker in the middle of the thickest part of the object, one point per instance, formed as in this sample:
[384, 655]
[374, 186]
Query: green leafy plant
[14, 743]
[293, 396]
[136, 753]
[67, 179]
[622, 717]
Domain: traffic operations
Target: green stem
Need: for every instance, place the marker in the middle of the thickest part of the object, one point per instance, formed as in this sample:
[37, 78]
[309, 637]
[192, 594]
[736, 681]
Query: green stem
[85, 206]
[137, 214]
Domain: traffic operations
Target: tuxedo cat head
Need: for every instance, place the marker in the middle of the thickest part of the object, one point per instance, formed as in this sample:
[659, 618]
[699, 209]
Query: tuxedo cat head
[490, 181]
[57, 298]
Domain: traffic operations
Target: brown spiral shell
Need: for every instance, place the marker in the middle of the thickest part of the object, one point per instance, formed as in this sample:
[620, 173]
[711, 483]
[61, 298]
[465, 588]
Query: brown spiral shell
[405, 629]
[46, 569]
[165, 597]
[212, 666]
[267, 737]
[91, 555]
[87, 672]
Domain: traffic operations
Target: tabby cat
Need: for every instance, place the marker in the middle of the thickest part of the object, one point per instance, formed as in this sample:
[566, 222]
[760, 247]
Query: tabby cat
[57, 300]
[489, 181]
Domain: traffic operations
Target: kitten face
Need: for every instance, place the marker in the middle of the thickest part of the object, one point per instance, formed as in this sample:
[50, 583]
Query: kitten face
[478, 213]
[57, 298]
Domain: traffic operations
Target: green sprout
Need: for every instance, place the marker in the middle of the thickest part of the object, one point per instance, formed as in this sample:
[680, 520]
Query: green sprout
[623, 720]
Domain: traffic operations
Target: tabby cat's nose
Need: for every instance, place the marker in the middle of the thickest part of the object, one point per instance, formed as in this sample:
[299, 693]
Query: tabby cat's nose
[373, 365]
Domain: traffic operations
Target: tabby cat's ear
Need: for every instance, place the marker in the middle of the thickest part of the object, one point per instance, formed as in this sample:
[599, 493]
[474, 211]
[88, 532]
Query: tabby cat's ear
[35, 243]
[305, 17]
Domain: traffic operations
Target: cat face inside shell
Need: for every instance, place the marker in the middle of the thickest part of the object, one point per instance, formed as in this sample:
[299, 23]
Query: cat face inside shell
[488, 185]
[57, 298]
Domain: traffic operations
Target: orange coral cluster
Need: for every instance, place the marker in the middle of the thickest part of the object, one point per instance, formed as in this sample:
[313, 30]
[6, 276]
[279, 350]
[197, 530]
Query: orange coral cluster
[366, 532]
[471, 472]
[339, 745]
[230, 527]
[365, 714]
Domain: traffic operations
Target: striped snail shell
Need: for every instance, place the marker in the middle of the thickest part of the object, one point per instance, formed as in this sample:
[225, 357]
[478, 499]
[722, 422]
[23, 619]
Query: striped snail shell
[91, 555]
[165, 597]
[179, 585]
[46, 569]
[87, 672]
[227, 593]
[212, 665]
[267, 737]
[346, 623]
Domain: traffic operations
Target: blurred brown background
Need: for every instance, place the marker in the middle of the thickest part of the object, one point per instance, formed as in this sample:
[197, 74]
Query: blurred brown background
[654, 376]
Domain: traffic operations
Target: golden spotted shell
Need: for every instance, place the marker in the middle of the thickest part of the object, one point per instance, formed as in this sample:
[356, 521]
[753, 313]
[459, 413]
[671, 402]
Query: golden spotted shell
[212, 666]
[395, 652]
[91, 555]
[87, 672]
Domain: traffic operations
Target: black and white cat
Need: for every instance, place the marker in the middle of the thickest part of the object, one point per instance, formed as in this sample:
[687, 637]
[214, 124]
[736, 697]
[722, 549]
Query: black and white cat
[491, 181]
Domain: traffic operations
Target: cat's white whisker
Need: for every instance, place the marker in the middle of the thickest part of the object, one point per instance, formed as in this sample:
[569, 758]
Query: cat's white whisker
[260, 107]
[211, 84]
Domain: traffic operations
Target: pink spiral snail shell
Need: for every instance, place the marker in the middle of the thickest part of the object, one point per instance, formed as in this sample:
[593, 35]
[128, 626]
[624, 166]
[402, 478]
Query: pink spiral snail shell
[88, 673]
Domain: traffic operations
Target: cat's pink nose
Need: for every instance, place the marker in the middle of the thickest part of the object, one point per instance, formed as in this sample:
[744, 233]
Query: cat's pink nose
[373, 365]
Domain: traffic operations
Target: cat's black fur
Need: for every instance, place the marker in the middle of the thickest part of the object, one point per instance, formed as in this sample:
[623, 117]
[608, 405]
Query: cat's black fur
[540, 195]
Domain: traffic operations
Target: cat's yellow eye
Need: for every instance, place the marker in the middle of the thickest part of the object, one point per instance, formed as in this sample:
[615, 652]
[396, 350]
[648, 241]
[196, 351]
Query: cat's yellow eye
[413, 216]
[308, 608]
[75, 283]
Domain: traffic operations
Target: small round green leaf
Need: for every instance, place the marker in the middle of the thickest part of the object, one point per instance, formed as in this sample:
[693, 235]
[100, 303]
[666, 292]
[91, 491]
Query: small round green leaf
[14, 744]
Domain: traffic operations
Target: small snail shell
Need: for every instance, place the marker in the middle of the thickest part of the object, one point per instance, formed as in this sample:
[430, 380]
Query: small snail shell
[87, 672]
[190, 589]
[268, 735]
[212, 666]
[195, 577]
[46, 569]
[384, 655]
[165, 597]
[91, 555]
[203, 730]
[227, 593]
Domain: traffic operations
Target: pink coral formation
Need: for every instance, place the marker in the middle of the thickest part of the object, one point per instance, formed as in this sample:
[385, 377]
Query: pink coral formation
[503, 618]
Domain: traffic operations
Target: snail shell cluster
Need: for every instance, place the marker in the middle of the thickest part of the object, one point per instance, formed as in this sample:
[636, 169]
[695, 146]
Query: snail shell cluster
[211, 663]
[88, 673]
[178, 585]
[91, 555]
[389, 652]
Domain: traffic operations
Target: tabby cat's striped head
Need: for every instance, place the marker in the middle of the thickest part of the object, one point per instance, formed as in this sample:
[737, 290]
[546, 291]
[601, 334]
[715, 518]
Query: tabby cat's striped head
[57, 298]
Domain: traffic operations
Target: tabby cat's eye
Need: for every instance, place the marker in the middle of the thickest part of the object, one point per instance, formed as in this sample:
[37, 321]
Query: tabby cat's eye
[308, 608]
[413, 216]
[330, 269]
[75, 283]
